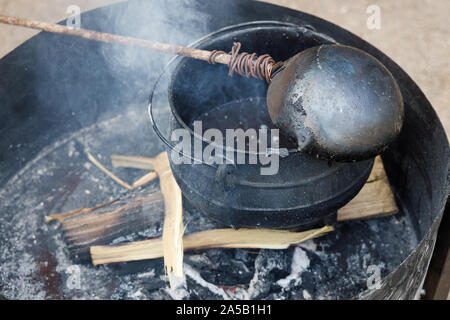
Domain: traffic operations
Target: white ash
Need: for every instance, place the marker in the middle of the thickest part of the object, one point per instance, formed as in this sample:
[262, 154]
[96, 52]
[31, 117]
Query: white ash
[300, 263]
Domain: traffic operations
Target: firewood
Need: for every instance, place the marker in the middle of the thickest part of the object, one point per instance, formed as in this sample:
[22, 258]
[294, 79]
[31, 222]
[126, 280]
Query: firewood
[172, 238]
[376, 194]
[374, 200]
[136, 162]
[130, 162]
[145, 179]
[215, 238]
[81, 232]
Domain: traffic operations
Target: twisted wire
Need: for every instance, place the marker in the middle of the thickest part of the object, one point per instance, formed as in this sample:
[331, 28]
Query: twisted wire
[246, 64]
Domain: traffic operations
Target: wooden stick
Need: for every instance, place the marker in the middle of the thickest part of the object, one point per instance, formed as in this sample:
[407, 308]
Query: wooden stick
[109, 173]
[84, 223]
[145, 179]
[136, 162]
[172, 238]
[216, 238]
[111, 38]
[65, 215]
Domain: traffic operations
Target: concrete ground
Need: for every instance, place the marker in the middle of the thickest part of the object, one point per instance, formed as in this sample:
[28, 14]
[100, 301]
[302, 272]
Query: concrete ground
[414, 33]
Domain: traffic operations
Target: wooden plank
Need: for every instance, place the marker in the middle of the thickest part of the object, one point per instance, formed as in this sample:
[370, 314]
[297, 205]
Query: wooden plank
[214, 238]
[374, 200]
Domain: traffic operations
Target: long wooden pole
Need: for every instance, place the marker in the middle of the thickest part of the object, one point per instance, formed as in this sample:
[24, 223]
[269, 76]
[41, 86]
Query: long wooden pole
[111, 38]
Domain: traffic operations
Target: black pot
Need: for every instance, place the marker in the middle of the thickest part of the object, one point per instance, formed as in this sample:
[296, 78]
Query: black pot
[306, 190]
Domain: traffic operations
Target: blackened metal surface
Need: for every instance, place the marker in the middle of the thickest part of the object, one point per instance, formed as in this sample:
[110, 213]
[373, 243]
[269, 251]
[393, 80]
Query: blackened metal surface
[339, 102]
[52, 96]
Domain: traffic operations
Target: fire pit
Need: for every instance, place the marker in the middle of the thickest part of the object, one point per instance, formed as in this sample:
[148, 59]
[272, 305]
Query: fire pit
[59, 102]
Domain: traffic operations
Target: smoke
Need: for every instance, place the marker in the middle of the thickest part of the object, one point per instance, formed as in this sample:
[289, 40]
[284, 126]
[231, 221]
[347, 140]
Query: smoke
[79, 82]
[159, 22]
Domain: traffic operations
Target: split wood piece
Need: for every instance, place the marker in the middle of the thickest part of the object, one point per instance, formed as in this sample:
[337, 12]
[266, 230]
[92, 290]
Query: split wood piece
[81, 232]
[172, 238]
[136, 162]
[374, 200]
[111, 38]
[216, 238]
[149, 177]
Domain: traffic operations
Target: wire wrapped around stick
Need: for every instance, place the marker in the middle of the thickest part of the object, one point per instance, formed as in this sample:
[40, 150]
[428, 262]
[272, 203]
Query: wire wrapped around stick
[246, 64]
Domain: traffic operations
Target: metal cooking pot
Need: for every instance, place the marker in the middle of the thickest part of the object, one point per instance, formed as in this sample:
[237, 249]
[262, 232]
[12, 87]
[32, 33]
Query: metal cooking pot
[305, 191]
